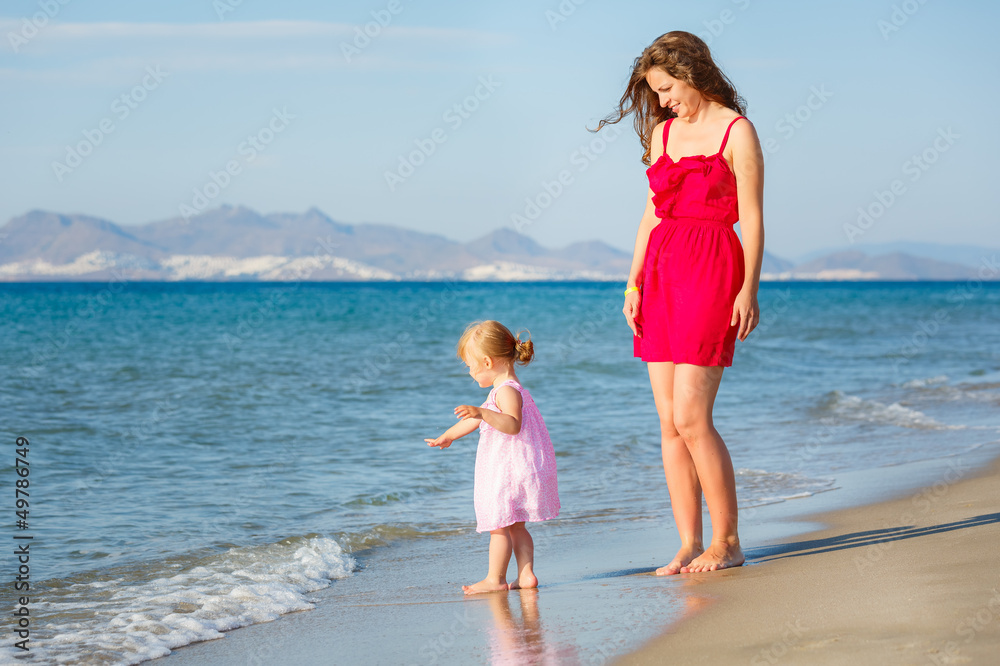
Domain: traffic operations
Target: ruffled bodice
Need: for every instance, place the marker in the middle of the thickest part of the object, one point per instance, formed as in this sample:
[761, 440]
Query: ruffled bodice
[700, 187]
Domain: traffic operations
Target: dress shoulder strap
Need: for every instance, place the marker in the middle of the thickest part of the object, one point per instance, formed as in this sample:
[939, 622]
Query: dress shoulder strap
[510, 382]
[666, 132]
[492, 398]
[726, 138]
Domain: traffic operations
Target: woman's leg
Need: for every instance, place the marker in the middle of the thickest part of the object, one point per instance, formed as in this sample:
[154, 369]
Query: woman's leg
[679, 468]
[524, 552]
[496, 579]
[695, 388]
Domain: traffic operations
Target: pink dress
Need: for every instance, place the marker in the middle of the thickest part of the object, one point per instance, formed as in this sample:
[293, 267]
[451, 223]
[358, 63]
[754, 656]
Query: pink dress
[693, 268]
[515, 474]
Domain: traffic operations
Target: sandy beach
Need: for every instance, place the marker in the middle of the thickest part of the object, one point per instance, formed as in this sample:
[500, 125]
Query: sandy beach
[915, 580]
[911, 580]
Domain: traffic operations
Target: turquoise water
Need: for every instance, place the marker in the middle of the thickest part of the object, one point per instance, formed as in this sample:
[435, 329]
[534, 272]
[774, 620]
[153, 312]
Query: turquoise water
[205, 455]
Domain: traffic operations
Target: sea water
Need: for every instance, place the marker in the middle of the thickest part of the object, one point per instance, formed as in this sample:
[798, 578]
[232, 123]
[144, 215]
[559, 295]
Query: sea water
[205, 456]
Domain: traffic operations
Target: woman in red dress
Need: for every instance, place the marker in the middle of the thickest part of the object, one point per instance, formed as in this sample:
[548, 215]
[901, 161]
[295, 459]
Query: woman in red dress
[692, 289]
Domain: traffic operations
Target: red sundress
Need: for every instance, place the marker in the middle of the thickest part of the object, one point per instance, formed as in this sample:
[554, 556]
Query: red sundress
[693, 268]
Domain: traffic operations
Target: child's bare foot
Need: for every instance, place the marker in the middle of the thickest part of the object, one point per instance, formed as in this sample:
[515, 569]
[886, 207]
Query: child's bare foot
[682, 559]
[486, 585]
[720, 555]
[525, 581]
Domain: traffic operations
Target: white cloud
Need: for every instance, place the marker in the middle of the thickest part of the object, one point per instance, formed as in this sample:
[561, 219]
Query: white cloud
[94, 53]
[58, 35]
[61, 33]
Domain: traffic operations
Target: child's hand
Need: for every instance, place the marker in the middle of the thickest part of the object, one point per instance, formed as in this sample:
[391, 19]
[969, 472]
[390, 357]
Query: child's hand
[468, 412]
[442, 442]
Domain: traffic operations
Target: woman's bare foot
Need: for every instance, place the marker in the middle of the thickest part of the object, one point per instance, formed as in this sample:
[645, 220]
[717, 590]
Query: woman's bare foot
[682, 559]
[525, 581]
[486, 585]
[720, 555]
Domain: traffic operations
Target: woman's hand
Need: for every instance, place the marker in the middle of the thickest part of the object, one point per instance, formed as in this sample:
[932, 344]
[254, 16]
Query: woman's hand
[442, 442]
[468, 412]
[631, 311]
[746, 313]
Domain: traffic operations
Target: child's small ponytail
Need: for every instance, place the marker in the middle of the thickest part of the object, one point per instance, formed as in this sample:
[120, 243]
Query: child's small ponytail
[524, 350]
[492, 338]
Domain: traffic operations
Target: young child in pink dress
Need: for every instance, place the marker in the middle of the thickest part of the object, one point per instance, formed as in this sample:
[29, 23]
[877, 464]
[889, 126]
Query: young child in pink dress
[515, 461]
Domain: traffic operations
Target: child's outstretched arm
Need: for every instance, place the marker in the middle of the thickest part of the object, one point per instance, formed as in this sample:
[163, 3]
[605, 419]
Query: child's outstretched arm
[507, 420]
[460, 429]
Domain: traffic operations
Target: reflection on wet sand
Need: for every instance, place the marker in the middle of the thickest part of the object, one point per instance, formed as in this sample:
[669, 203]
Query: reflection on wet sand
[521, 640]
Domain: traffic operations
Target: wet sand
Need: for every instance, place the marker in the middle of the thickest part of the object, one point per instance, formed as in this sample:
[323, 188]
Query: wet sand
[912, 580]
[405, 606]
[915, 580]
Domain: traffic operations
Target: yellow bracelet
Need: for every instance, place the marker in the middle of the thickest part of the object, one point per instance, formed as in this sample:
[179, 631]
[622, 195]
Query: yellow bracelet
[630, 290]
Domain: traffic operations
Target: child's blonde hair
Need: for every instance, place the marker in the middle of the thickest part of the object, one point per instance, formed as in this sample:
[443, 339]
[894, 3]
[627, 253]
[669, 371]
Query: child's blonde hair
[496, 341]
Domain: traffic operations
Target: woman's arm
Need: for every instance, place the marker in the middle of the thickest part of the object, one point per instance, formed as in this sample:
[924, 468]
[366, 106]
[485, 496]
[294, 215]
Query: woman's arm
[507, 420]
[646, 224]
[748, 165]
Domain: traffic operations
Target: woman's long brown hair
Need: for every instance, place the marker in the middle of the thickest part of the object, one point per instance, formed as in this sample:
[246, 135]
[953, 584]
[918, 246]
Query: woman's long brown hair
[683, 56]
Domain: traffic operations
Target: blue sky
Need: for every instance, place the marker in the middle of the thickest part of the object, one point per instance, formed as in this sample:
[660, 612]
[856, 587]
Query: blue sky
[495, 98]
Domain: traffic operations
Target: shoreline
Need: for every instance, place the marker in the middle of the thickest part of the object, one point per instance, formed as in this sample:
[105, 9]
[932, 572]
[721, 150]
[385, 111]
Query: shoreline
[914, 579]
[404, 604]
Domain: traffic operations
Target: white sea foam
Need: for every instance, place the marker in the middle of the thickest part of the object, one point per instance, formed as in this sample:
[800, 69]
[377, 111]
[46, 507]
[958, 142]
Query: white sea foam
[851, 407]
[131, 617]
[926, 382]
[770, 487]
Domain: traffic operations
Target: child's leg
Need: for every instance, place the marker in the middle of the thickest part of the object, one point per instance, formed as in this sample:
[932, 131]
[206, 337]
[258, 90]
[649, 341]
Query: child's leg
[524, 551]
[496, 579]
[678, 467]
[695, 388]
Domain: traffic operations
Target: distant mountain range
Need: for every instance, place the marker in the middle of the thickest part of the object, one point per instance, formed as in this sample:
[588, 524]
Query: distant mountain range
[239, 244]
[967, 255]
